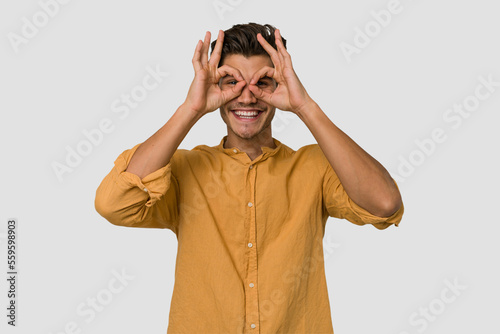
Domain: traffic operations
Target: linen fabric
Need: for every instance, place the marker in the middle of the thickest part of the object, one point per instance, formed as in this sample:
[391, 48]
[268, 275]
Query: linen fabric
[250, 233]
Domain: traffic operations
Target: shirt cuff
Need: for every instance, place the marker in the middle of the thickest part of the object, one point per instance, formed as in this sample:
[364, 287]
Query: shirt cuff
[379, 222]
[154, 184]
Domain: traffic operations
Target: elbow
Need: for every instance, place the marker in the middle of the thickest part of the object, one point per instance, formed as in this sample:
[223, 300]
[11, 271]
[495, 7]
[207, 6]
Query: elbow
[106, 209]
[120, 215]
[389, 206]
[109, 214]
[103, 208]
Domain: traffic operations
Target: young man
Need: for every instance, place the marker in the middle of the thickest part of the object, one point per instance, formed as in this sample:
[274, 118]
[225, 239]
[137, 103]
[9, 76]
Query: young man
[250, 213]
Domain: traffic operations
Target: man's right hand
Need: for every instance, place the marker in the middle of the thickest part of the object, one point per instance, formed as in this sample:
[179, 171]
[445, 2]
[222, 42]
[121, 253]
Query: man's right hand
[204, 94]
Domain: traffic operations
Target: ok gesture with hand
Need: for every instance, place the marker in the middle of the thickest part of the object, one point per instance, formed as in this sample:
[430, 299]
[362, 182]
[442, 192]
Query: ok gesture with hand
[204, 94]
[289, 95]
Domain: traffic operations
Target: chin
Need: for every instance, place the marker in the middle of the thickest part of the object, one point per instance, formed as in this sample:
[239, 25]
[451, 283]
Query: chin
[245, 135]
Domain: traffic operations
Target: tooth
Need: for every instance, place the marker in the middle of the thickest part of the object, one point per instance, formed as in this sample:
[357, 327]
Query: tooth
[247, 113]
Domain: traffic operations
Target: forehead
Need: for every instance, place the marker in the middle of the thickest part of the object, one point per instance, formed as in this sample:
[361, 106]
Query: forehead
[247, 66]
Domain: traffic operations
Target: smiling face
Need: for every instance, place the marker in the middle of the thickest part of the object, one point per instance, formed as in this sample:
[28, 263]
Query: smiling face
[246, 116]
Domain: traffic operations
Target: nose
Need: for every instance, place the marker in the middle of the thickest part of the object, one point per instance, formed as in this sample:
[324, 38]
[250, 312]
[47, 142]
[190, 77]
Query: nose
[247, 96]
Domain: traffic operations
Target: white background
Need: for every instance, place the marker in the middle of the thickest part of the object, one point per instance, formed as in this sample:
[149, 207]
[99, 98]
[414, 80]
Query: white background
[392, 93]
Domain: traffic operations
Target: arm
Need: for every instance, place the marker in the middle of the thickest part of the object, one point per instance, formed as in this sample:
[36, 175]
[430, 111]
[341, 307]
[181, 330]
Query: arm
[158, 149]
[365, 180]
[142, 176]
[204, 96]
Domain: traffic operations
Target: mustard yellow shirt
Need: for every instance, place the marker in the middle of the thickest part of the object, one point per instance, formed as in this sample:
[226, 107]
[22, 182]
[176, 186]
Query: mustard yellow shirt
[250, 234]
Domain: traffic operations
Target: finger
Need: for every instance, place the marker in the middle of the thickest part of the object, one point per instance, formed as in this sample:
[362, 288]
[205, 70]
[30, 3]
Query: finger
[277, 37]
[204, 50]
[197, 57]
[261, 94]
[225, 70]
[216, 54]
[269, 49]
[228, 95]
[265, 44]
[287, 59]
[266, 71]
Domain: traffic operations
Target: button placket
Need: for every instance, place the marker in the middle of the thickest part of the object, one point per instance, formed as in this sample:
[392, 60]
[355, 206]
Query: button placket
[251, 293]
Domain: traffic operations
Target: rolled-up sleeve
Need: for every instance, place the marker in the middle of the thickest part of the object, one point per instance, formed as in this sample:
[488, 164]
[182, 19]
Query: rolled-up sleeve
[340, 205]
[125, 199]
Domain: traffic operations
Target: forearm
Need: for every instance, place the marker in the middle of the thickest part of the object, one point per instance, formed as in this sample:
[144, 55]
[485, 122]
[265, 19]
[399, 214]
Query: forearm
[157, 150]
[365, 180]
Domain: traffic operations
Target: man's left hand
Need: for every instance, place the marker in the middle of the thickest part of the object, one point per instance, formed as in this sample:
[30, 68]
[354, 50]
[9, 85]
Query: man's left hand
[289, 95]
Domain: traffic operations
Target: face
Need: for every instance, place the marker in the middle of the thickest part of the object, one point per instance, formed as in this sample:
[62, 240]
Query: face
[246, 116]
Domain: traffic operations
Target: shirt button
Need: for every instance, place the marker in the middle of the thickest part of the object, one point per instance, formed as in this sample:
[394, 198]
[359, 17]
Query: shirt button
[253, 325]
[145, 189]
[235, 151]
[251, 285]
[250, 204]
[250, 244]
[251, 166]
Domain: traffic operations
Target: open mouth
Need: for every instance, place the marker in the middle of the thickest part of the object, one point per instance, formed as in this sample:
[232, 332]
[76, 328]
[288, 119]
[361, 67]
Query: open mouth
[247, 115]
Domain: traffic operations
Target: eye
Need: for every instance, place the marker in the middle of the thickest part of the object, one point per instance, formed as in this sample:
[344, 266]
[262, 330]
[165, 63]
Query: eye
[261, 83]
[232, 82]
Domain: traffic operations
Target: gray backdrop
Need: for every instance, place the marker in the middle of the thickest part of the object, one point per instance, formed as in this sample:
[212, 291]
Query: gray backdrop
[416, 83]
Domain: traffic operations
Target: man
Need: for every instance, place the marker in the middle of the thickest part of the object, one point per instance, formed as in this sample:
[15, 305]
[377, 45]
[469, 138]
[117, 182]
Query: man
[250, 213]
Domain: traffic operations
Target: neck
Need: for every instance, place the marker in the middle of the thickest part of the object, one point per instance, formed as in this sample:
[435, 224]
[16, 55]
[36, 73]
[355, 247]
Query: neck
[252, 146]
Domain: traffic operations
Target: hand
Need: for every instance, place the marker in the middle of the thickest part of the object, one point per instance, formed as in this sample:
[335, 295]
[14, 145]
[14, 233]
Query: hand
[290, 95]
[204, 94]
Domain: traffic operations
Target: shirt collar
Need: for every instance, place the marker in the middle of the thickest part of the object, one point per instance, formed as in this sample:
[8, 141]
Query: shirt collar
[266, 151]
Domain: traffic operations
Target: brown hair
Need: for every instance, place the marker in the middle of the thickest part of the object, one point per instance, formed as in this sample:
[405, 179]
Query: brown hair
[242, 39]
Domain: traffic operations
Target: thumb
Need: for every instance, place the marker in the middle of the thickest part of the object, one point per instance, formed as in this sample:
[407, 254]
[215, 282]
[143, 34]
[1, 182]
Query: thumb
[228, 95]
[260, 94]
